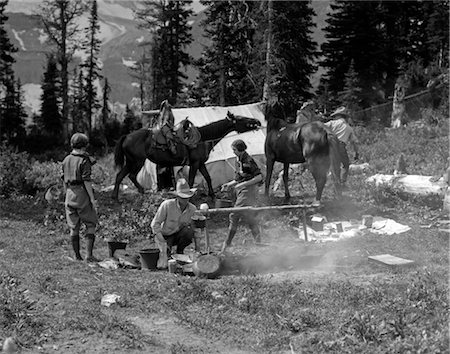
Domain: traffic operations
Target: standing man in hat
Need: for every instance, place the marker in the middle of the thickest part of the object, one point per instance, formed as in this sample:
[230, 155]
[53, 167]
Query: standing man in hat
[345, 134]
[172, 222]
[80, 204]
[247, 176]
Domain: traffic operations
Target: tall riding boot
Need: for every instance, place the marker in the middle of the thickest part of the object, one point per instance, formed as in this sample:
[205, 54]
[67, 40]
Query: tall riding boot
[90, 239]
[76, 247]
[227, 242]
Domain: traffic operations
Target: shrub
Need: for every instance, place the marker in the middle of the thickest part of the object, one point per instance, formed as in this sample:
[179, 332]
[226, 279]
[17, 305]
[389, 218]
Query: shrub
[13, 167]
[43, 175]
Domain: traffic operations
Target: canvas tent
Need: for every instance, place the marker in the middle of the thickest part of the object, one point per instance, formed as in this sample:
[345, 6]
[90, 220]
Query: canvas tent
[221, 160]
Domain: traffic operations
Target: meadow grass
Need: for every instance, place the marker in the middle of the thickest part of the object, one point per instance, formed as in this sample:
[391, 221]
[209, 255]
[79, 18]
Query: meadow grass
[351, 306]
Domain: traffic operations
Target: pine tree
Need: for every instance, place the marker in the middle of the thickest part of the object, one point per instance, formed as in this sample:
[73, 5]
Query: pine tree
[105, 107]
[59, 19]
[6, 70]
[91, 46]
[13, 114]
[79, 103]
[167, 20]
[352, 35]
[350, 96]
[294, 51]
[7, 49]
[50, 120]
[225, 68]
[130, 122]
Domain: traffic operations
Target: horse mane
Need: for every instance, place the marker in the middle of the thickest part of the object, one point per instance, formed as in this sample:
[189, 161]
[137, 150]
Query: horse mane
[275, 115]
[215, 130]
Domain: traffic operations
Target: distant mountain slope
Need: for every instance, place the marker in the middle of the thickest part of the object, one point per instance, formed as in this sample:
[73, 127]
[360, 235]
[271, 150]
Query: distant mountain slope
[120, 37]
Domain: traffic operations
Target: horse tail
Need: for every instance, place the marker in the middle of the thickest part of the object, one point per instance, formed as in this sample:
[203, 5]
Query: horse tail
[119, 156]
[335, 159]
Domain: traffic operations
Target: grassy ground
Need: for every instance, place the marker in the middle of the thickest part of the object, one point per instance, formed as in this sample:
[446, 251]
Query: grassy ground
[294, 297]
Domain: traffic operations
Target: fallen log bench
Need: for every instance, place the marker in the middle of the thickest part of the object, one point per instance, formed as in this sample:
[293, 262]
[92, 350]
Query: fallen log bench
[413, 184]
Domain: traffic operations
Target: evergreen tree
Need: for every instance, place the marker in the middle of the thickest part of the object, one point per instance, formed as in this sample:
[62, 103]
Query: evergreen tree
[105, 106]
[352, 35]
[350, 96]
[225, 67]
[7, 49]
[59, 18]
[397, 36]
[91, 46]
[167, 20]
[130, 122]
[141, 71]
[50, 121]
[79, 104]
[294, 51]
[13, 114]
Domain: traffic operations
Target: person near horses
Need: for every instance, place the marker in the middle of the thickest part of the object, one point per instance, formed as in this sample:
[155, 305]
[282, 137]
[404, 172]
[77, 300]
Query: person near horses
[346, 135]
[166, 122]
[307, 113]
[80, 204]
[171, 224]
[247, 176]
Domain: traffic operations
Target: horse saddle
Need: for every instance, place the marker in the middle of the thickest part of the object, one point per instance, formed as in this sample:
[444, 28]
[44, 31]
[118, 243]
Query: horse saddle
[184, 133]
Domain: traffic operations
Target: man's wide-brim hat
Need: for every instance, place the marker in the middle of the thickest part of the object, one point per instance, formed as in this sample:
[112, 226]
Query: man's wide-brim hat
[341, 111]
[183, 190]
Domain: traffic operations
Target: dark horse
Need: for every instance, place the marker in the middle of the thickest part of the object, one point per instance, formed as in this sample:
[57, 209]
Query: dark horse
[132, 150]
[298, 143]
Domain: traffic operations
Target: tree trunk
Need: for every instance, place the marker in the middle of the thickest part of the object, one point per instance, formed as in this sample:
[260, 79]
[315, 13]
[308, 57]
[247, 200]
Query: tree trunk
[267, 94]
[399, 115]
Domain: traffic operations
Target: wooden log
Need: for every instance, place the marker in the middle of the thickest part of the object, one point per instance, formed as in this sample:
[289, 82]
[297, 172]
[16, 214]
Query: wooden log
[413, 184]
[248, 208]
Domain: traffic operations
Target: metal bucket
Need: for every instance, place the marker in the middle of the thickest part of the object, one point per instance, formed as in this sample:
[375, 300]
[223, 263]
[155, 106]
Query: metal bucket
[199, 221]
[149, 258]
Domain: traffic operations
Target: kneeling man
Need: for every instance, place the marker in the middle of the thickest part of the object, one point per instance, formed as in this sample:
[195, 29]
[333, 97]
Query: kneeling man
[172, 222]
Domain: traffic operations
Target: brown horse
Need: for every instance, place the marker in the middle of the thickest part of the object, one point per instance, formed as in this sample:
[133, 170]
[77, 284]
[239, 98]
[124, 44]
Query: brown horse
[132, 150]
[299, 143]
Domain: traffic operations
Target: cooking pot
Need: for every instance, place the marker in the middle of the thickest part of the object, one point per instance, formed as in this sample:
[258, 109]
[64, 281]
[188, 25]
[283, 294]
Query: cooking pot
[206, 266]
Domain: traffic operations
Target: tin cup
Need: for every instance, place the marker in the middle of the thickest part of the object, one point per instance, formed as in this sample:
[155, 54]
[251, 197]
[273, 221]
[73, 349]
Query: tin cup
[367, 220]
[172, 265]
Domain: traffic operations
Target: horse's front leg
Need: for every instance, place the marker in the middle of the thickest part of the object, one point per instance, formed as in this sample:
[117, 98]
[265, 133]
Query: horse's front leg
[204, 171]
[192, 173]
[287, 195]
[269, 169]
[119, 178]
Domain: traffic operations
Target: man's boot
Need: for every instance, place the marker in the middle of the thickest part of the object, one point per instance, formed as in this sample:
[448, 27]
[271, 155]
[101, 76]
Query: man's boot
[76, 247]
[227, 242]
[90, 240]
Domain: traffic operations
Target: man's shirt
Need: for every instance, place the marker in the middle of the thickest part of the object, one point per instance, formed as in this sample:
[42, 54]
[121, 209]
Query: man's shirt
[342, 130]
[169, 218]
